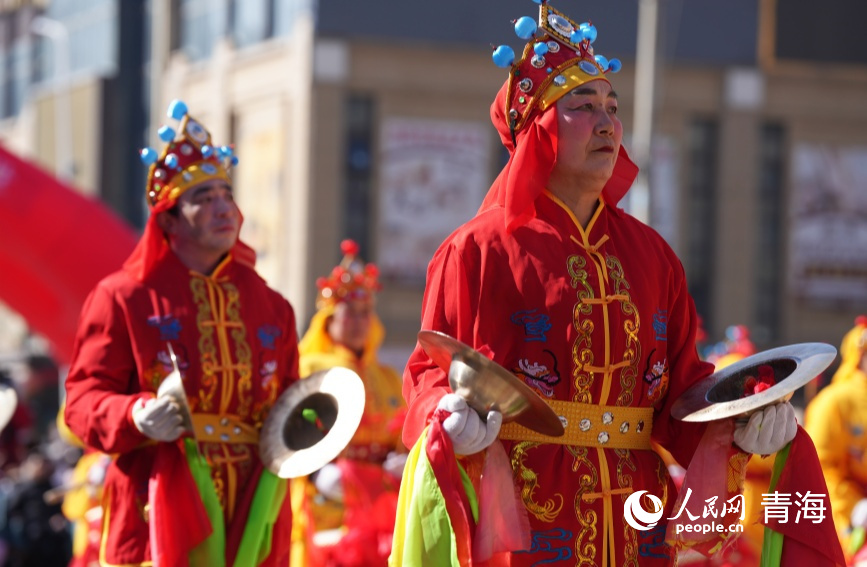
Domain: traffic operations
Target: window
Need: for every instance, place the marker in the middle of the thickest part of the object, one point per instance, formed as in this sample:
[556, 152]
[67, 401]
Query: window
[700, 210]
[198, 29]
[251, 23]
[358, 199]
[769, 246]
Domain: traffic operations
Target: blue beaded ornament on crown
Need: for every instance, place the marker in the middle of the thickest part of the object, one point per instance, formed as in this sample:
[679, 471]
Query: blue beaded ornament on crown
[557, 57]
[188, 159]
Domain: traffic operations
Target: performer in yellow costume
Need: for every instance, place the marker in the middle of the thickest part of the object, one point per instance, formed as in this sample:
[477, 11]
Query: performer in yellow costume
[836, 419]
[356, 494]
[82, 500]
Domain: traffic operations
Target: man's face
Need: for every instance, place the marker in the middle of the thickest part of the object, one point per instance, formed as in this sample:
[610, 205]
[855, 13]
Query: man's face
[589, 133]
[350, 324]
[208, 220]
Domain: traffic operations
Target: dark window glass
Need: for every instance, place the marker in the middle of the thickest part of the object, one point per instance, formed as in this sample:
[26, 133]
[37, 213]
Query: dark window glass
[769, 243]
[700, 212]
[358, 165]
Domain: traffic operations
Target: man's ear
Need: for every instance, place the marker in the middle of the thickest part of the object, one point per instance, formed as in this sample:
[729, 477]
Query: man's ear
[166, 222]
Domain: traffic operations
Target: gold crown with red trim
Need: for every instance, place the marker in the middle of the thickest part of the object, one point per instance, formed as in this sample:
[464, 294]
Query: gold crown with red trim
[188, 159]
[861, 321]
[351, 279]
[558, 57]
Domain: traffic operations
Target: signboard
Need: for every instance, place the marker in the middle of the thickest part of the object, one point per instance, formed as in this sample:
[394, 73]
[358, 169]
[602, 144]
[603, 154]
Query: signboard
[828, 219]
[434, 176]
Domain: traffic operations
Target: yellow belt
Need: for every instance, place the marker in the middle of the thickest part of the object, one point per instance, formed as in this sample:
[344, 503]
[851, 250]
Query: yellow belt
[588, 425]
[213, 428]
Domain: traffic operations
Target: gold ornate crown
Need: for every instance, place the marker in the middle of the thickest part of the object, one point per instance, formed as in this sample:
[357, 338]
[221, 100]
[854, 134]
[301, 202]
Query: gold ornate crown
[351, 279]
[557, 58]
[188, 159]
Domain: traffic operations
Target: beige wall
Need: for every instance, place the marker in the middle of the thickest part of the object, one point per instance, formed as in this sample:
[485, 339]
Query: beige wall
[264, 94]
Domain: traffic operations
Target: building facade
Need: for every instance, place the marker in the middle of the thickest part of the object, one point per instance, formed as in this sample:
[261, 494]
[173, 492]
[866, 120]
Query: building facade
[370, 120]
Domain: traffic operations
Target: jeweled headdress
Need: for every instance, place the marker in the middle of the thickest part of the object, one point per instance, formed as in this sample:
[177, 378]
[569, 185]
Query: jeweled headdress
[352, 279]
[188, 159]
[557, 58]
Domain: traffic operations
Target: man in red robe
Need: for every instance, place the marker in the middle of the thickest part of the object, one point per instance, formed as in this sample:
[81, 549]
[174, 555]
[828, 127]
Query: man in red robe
[174, 497]
[586, 304]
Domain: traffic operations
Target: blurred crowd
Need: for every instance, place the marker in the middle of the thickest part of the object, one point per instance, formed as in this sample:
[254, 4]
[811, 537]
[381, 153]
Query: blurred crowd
[34, 465]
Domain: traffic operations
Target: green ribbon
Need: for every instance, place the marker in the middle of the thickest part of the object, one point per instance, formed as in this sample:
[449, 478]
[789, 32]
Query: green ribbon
[772, 544]
[256, 539]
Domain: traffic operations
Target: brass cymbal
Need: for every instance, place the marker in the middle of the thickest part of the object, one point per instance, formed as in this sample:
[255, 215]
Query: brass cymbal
[312, 422]
[172, 386]
[720, 395]
[8, 403]
[486, 385]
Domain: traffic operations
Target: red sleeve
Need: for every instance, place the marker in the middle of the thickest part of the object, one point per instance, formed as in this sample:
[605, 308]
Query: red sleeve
[102, 385]
[447, 308]
[680, 438]
[292, 349]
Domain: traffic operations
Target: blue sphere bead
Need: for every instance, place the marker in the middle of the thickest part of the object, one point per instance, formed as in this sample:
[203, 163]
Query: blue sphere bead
[234, 161]
[503, 56]
[207, 150]
[541, 48]
[602, 61]
[615, 65]
[537, 1]
[577, 36]
[225, 151]
[177, 109]
[171, 161]
[148, 155]
[589, 33]
[166, 133]
[525, 27]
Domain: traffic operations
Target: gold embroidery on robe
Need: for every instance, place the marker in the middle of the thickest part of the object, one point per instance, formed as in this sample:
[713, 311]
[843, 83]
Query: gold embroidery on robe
[242, 349]
[625, 466]
[207, 349]
[527, 479]
[631, 325]
[581, 357]
[585, 551]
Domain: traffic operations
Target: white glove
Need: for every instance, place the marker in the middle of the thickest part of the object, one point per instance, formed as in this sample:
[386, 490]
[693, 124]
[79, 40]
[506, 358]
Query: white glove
[468, 432]
[767, 431]
[96, 472]
[858, 519]
[394, 463]
[158, 419]
[328, 482]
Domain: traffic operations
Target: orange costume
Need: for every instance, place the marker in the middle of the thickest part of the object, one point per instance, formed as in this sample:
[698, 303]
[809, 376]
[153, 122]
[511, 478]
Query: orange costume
[365, 517]
[235, 338]
[836, 419]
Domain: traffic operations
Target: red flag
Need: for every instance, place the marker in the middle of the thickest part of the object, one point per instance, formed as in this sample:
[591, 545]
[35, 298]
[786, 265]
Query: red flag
[57, 244]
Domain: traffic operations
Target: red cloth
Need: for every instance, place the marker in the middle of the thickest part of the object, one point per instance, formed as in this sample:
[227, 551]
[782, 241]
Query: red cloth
[237, 349]
[517, 297]
[709, 477]
[370, 504]
[58, 244]
[174, 530]
[441, 455]
[806, 543]
[526, 174]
